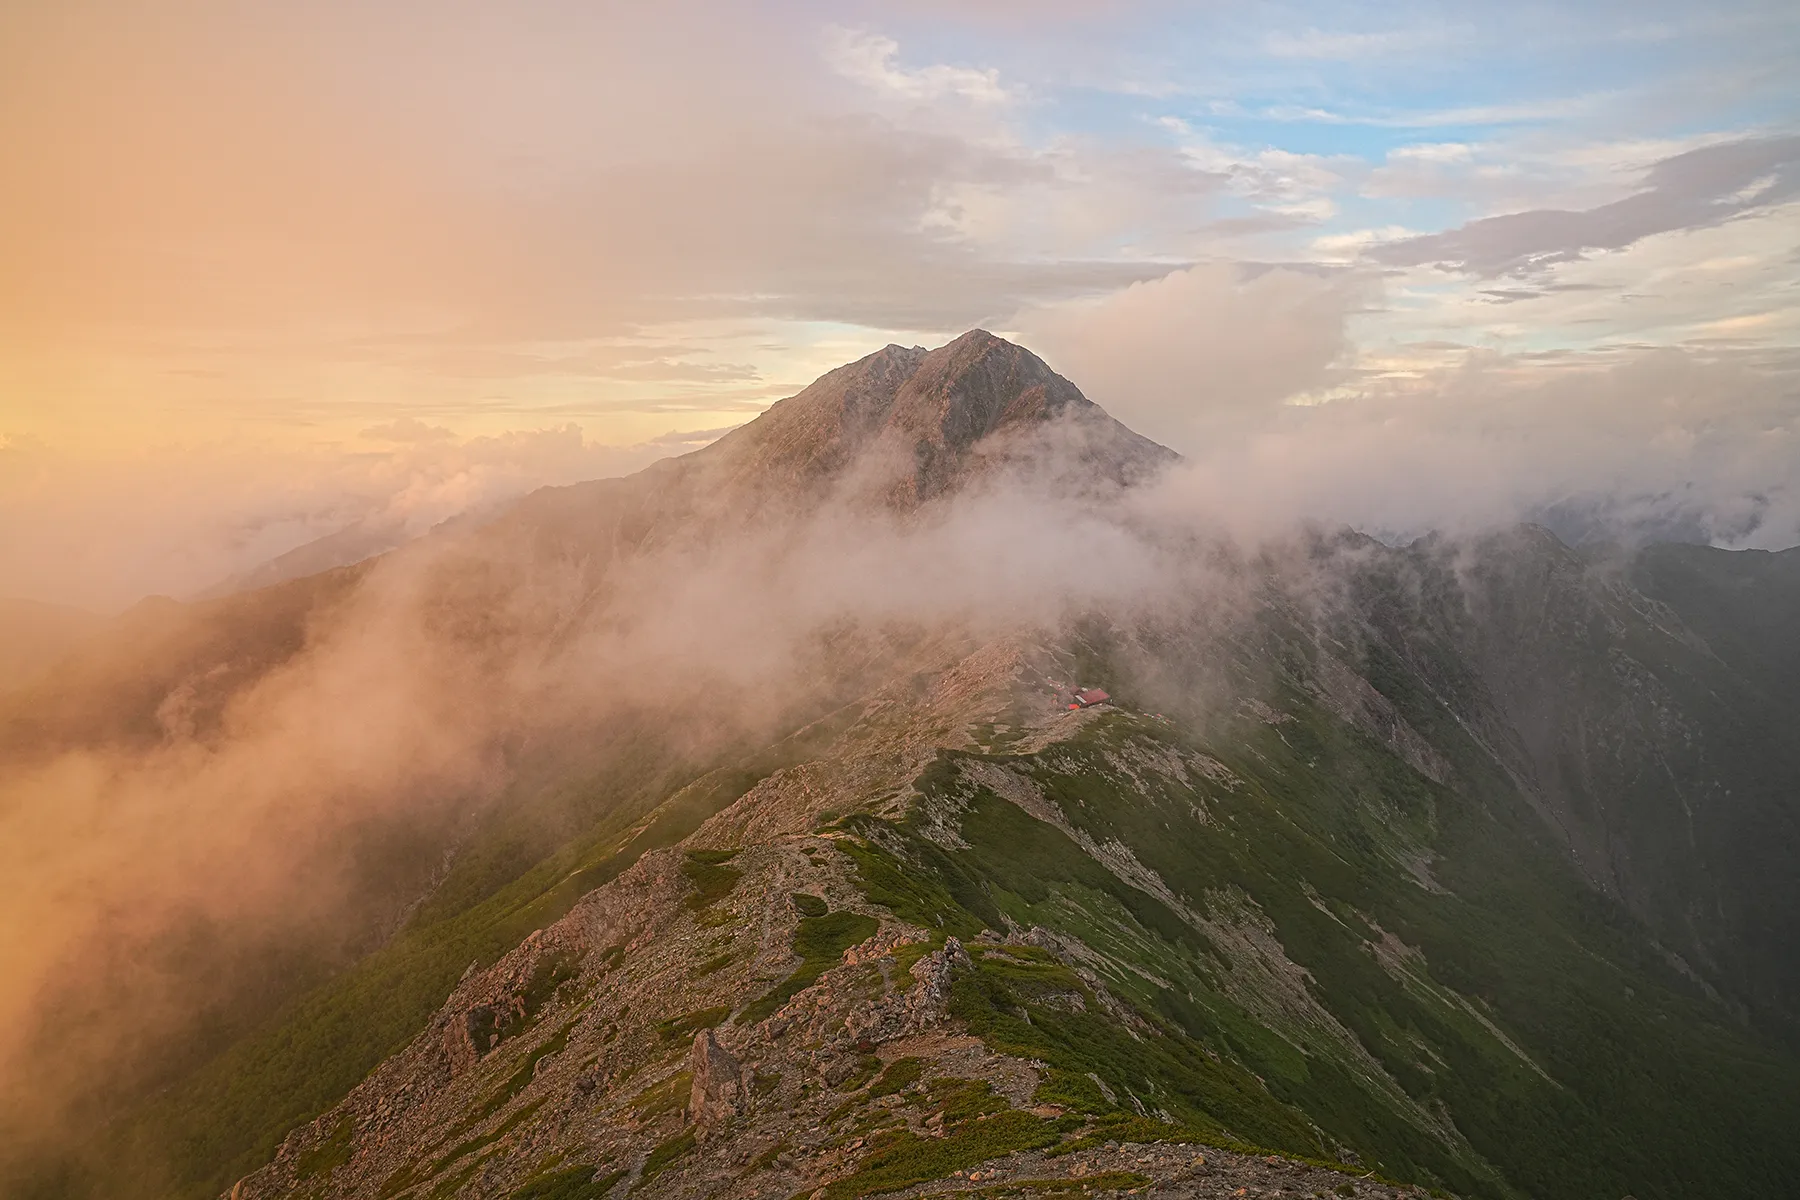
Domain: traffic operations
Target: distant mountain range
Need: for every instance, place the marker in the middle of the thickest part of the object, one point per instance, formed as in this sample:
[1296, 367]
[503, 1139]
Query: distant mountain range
[1469, 865]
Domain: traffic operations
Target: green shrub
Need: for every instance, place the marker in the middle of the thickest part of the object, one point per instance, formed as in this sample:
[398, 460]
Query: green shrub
[408, 1175]
[932, 891]
[717, 962]
[329, 1154]
[670, 1095]
[522, 1076]
[904, 1159]
[570, 1183]
[867, 1066]
[664, 1155]
[712, 878]
[962, 1099]
[684, 1027]
[551, 972]
[901, 1074]
[820, 942]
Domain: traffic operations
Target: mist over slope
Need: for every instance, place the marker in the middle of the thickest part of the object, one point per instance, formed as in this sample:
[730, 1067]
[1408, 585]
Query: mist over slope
[1416, 847]
[34, 635]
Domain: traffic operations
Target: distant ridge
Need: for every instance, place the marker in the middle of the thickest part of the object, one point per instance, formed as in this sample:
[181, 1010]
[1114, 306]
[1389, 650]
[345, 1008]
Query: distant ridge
[359, 540]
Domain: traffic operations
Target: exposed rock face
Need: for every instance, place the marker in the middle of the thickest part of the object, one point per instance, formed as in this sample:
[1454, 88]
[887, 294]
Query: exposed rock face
[889, 433]
[467, 1040]
[718, 1091]
[926, 1003]
[927, 420]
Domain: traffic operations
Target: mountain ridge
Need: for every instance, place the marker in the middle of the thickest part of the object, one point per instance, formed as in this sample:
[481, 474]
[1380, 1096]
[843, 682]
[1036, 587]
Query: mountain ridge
[1453, 862]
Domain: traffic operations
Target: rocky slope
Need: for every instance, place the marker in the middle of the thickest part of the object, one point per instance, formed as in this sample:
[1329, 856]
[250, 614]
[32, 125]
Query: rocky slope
[737, 1017]
[980, 933]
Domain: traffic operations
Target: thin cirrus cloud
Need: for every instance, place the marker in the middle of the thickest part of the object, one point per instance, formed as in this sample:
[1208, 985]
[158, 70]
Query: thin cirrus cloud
[1315, 43]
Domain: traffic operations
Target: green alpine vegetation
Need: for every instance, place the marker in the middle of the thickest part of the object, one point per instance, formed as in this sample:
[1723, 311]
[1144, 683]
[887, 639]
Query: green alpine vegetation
[1303, 980]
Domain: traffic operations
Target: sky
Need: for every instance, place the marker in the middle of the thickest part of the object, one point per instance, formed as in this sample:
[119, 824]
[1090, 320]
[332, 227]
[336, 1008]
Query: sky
[271, 270]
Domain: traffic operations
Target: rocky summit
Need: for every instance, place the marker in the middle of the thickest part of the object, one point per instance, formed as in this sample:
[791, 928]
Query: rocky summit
[1469, 867]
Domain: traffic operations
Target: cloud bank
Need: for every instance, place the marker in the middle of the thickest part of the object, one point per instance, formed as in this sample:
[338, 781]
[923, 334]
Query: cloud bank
[236, 237]
[150, 877]
[177, 522]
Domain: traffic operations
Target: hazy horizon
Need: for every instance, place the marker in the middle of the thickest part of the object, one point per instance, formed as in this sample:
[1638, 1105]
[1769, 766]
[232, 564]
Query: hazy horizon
[273, 273]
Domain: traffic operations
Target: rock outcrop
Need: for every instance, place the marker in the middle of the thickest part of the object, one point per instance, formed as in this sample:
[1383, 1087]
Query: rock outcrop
[718, 1092]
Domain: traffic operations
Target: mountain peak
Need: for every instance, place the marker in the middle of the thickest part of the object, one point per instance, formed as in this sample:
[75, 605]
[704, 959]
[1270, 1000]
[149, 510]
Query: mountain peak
[938, 414]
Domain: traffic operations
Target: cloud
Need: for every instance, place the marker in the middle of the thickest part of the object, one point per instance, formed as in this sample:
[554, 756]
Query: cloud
[661, 164]
[1191, 356]
[1090, 201]
[407, 429]
[1015, 15]
[103, 532]
[450, 671]
[1318, 44]
[515, 216]
[1286, 183]
[1678, 288]
[1696, 189]
[871, 60]
[1628, 436]
[1633, 443]
[1433, 152]
[1433, 118]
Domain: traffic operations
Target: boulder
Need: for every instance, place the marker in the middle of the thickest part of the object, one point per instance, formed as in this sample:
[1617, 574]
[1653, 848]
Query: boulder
[718, 1091]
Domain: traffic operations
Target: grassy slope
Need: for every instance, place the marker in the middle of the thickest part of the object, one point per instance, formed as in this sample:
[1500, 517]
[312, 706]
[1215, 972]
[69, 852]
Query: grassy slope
[226, 1117]
[1654, 724]
[1650, 1088]
[552, 843]
[1747, 685]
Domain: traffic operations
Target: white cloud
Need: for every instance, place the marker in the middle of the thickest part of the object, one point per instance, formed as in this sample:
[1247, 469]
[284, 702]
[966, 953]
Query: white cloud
[103, 532]
[1735, 279]
[1199, 353]
[407, 429]
[1316, 209]
[1691, 190]
[1282, 180]
[1347, 247]
[1645, 439]
[1433, 152]
[1082, 199]
[872, 60]
[1474, 114]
